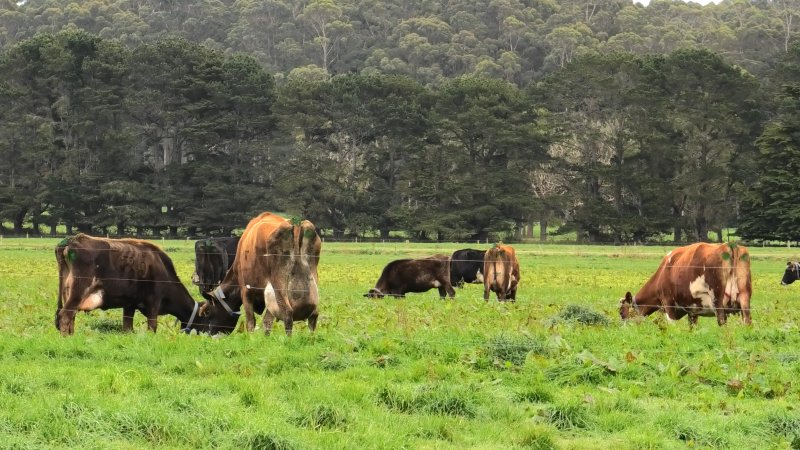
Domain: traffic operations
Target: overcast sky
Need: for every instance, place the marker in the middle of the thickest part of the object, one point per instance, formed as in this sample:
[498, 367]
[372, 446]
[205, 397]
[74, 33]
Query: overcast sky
[702, 2]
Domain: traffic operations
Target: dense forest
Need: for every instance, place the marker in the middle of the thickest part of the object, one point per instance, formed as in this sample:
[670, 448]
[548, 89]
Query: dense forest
[440, 120]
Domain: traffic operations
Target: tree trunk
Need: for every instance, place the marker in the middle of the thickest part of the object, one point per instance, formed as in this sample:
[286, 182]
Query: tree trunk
[19, 220]
[70, 232]
[173, 231]
[701, 224]
[53, 227]
[120, 228]
[384, 233]
[543, 231]
[719, 235]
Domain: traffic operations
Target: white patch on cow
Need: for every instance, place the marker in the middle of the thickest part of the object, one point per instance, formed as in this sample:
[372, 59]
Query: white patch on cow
[92, 301]
[436, 283]
[700, 290]
[479, 277]
[271, 300]
[313, 291]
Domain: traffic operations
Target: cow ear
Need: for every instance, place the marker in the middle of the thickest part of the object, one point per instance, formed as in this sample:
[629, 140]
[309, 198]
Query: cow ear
[628, 297]
[788, 263]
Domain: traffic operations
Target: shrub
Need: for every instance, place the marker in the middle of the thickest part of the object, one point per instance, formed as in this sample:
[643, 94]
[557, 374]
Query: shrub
[580, 315]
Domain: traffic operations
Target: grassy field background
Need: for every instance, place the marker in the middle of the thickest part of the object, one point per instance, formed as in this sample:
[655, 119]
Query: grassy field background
[557, 369]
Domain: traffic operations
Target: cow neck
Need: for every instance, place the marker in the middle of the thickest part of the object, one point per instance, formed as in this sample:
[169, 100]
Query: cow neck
[219, 295]
[190, 322]
[645, 304]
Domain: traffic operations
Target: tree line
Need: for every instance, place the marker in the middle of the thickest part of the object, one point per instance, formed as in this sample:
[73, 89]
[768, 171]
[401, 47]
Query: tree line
[178, 138]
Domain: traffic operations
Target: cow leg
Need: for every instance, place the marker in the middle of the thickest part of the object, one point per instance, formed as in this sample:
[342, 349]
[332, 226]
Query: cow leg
[127, 317]
[312, 321]
[289, 324]
[268, 319]
[247, 304]
[442, 292]
[722, 315]
[486, 292]
[152, 315]
[512, 294]
[450, 291]
[744, 304]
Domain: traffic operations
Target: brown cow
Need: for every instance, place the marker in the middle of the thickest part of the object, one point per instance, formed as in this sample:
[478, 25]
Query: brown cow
[414, 275]
[501, 272]
[698, 280]
[276, 265]
[120, 273]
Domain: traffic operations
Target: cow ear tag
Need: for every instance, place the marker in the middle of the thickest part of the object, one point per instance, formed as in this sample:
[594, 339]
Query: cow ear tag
[745, 257]
[726, 256]
[71, 255]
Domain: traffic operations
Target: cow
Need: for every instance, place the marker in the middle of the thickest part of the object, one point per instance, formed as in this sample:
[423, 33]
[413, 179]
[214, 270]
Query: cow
[792, 273]
[130, 274]
[501, 273]
[213, 258]
[696, 280]
[402, 276]
[275, 267]
[466, 266]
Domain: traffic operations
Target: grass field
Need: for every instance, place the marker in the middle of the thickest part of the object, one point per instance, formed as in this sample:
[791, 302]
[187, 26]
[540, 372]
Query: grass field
[557, 369]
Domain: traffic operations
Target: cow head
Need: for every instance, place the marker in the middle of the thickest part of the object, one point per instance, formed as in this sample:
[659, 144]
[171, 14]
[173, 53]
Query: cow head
[792, 272]
[220, 311]
[626, 306]
[374, 293]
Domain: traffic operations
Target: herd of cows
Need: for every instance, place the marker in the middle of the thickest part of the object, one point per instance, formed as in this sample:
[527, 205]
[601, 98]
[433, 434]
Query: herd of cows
[272, 270]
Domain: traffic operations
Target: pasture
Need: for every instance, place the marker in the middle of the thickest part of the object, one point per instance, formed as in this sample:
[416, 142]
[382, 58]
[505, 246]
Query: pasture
[556, 369]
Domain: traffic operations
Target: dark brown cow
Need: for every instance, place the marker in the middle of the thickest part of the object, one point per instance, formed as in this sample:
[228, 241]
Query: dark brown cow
[212, 259]
[501, 272]
[698, 280]
[276, 265]
[414, 275]
[120, 273]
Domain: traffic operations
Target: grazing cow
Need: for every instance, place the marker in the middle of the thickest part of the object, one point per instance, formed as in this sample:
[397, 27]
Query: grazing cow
[120, 273]
[213, 258]
[414, 275]
[792, 273]
[698, 280]
[466, 266]
[501, 273]
[275, 266]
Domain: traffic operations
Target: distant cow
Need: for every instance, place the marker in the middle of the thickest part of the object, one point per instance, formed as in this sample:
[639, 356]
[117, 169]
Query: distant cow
[414, 275]
[120, 273]
[501, 273]
[213, 258]
[792, 273]
[698, 280]
[466, 266]
[275, 266]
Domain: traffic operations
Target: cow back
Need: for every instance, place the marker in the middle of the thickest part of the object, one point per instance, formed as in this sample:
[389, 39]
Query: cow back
[501, 268]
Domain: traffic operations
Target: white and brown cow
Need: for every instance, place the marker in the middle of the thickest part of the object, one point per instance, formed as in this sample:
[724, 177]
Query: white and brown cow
[402, 276]
[696, 280]
[501, 272]
[98, 273]
[275, 266]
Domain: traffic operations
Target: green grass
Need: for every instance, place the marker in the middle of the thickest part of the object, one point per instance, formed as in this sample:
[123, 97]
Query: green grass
[556, 369]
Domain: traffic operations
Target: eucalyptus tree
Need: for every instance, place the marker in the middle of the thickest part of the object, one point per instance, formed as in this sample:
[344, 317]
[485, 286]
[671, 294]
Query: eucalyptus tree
[770, 209]
[491, 138]
[605, 106]
[714, 112]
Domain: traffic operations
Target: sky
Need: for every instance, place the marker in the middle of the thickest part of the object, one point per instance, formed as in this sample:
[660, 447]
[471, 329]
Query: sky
[702, 2]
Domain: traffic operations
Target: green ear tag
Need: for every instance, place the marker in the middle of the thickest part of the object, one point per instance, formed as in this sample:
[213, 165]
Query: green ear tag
[294, 220]
[72, 255]
[309, 234]
[726, 256]
[745, 257]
